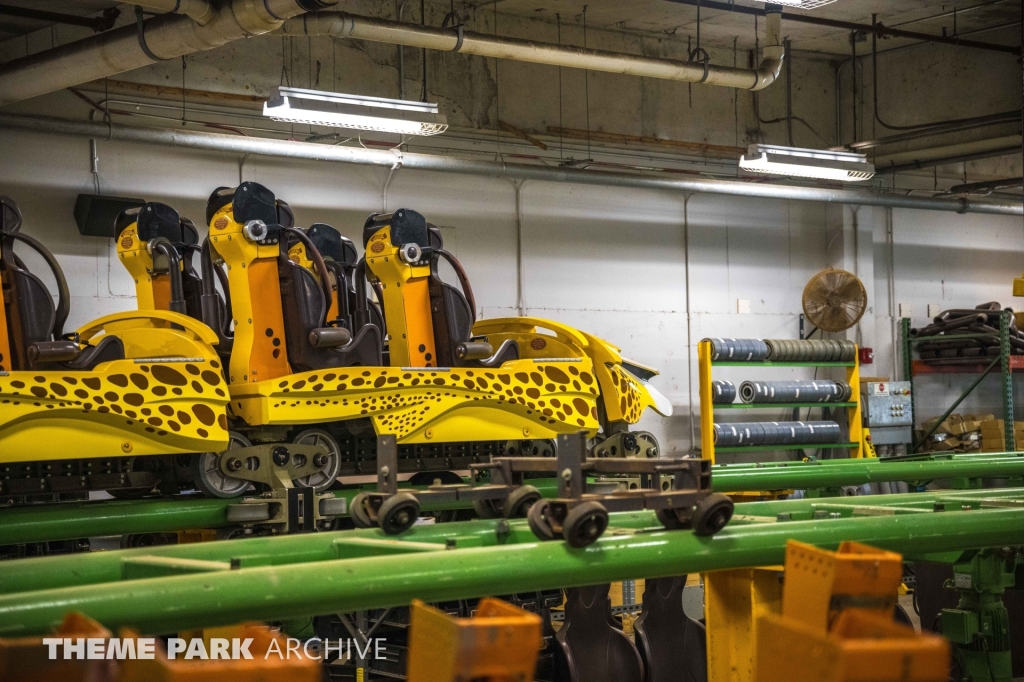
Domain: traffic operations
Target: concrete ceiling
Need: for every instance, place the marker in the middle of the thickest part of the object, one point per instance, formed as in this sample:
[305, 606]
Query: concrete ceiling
[665, 16]
[11, 26]
[720, 28]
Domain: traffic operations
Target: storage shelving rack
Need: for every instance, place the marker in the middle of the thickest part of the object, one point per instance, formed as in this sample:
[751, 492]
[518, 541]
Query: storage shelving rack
[855, 444]
[984, 366]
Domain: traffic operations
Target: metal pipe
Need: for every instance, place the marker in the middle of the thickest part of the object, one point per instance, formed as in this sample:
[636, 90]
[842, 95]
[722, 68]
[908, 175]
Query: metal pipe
[941, 161]
[184, 602]
[499, 169]
[131, 47]
[342, 25]
[958, 11]
[95, 568]
[98, 24]
[45, 523]
[936, 129]
[878, 29]
[987, 186]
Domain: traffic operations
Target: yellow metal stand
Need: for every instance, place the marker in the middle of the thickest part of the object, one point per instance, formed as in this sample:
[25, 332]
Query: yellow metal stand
[733, 602]
[499, 643]
[707, 406]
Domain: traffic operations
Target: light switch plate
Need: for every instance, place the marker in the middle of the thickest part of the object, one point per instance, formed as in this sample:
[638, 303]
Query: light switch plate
[742, 306]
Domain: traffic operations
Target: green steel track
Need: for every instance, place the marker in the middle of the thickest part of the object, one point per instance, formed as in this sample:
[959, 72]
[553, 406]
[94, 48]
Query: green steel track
[178, 587]
[51, 522]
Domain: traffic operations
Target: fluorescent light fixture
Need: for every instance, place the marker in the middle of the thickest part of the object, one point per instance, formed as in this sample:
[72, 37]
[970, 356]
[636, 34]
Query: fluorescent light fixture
[801, 4]
[296, 105]
[807, 163]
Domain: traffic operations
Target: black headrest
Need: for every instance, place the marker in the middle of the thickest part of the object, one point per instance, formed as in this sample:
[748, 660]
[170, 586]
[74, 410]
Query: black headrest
[331, 244]
[189, 233]
[158, 220]
[436, 241]
[253, 201]
[285, 215]
[407, 227]
[10, 216]
[126, 218]
[220, 198]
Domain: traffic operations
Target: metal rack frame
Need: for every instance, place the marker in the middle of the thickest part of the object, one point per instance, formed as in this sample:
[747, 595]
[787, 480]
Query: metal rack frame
[1007, 365]
[855, 444]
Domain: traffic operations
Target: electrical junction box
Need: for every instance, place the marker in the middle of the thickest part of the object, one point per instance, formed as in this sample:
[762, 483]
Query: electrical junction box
[887, 411]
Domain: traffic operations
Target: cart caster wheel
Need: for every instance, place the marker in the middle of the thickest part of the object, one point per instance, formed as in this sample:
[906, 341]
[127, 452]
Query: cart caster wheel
[669, 519]
[360, 515]
[585, 523]
[520, 501]
[487, 509]
[398, 513]
[712, 514]
[538, 519]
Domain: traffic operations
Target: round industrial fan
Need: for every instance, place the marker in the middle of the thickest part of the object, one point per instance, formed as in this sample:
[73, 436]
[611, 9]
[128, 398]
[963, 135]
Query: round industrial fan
[834, 300]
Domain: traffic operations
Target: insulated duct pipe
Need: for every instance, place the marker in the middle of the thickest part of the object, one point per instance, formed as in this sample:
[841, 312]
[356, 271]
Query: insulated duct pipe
[126, 48]
[395, 158]
[342, 25]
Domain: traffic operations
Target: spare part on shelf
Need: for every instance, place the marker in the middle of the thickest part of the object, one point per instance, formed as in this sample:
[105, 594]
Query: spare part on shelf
[810, 350]
[724, 392]
[820, 391]
[357, 112]
[888, 411]
[973, 336]
[834, 300]
[824, 164]
[739, 350]
[781, 354]
[776, 433]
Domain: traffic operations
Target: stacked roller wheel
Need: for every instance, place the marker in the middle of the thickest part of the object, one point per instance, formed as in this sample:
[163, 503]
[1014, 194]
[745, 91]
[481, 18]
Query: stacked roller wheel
[795, 391]
[776, 433]
[723, 392]
[791, 350]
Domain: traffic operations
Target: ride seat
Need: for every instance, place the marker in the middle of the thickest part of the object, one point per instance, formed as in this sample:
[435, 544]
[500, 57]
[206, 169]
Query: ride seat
[306, 308]
[452, 309]
[35, 324]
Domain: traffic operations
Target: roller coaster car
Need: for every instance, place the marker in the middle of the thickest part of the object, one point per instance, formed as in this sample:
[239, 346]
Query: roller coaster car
[307, 347]
[128, 384]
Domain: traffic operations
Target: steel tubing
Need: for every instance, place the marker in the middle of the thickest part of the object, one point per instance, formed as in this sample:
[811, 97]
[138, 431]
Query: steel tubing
[499, 169]
[26, 575]
[776, 433]
[170, 604]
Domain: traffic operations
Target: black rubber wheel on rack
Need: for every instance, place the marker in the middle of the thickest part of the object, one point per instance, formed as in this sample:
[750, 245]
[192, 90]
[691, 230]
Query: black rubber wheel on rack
[360, 517]
[585, 523]
[669, 519]
[398, 513]
[487, 509]
[712, 514]
[520, 501]
[537, 517]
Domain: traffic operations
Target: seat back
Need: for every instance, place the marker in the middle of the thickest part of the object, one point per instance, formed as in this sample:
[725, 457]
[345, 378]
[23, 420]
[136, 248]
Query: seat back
[279, 280]
[156, 246]
[427, 317]
[30, 313]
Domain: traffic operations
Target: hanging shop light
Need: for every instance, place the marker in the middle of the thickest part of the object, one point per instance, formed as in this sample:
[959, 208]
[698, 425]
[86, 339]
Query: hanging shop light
[807, 163]
[296, 105]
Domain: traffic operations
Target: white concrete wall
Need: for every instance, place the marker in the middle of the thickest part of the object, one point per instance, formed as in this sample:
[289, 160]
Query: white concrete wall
[611, 261]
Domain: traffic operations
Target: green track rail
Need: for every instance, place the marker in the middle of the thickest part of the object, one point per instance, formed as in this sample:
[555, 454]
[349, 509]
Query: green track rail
[172, 588]
[126, 517]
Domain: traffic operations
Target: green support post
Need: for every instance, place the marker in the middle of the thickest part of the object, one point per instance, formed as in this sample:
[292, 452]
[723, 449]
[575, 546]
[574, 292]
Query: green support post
[979, 627]
[908, 375]
[1006, 379]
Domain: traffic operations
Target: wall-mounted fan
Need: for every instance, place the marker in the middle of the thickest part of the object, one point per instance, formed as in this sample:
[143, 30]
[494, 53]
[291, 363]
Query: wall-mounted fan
[834, 300]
